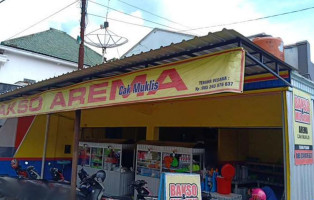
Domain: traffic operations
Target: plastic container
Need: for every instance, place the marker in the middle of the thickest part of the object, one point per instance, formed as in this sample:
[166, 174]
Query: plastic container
[273, 45]
[228, 171]
[224, 185]
[224, 182]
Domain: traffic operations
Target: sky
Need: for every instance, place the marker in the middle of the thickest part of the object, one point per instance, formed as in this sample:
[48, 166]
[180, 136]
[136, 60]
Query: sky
[17, 15]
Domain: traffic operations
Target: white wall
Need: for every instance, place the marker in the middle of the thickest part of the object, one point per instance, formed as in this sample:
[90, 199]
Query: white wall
[291, 56]
[157, 38]
[33, 66]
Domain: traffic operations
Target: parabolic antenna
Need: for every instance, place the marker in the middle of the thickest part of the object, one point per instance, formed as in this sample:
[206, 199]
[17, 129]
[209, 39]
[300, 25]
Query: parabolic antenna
[105, 39]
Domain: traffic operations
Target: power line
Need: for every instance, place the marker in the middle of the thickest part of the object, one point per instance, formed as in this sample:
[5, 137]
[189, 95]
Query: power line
[153, 14]
[250, 20]
[93, 31]
[132, 15]
[120, 21]
[2, 1]
[43, 20]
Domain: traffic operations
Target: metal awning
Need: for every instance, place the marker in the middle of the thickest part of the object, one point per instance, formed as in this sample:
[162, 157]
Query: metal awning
[257, 61]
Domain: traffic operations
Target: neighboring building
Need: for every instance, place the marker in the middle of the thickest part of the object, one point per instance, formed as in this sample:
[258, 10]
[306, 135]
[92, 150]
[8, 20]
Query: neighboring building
[299, 56]
[155, 39]
[40, 56]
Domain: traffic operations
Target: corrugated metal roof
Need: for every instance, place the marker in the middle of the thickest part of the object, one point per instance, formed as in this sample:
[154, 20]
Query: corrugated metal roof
[212, 42]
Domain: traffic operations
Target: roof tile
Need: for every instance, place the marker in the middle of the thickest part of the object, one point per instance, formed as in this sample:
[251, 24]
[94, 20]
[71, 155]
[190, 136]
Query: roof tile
[56, 44]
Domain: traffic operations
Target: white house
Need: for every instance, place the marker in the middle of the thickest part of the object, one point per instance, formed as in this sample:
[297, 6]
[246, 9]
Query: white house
[39, 56]
[156, 38]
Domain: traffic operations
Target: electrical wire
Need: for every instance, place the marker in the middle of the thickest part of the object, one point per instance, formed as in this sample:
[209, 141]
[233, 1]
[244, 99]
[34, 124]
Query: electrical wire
[130, 23]
[43, 20]
[153, 14]
[2, 1]
[250, 20]
[133, 16]
[93, 31]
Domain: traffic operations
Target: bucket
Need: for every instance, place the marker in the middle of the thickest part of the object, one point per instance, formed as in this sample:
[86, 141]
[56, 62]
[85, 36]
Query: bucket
[223, 185]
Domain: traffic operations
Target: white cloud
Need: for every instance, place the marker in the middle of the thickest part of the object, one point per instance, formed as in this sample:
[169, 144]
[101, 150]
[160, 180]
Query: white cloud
[17, 15]
[202, 13]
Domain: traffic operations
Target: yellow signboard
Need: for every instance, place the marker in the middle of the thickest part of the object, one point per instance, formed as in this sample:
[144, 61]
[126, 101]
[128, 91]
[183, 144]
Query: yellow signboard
[202, 75]
[302, 112]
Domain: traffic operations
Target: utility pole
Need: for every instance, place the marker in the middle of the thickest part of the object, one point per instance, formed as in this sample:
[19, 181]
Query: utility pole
[81, 50]
[77, 123]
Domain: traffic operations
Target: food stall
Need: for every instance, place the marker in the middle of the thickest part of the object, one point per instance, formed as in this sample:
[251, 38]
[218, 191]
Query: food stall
[181, 88]
[154, 158]
[115, 158]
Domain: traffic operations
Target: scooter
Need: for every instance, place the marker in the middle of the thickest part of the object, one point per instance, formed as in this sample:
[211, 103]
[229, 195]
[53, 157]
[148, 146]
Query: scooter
[91, 187]
[142, 190]
[86, 187]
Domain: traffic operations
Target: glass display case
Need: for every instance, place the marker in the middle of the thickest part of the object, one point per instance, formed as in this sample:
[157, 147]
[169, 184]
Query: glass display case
[116, 158]
[174, 162]
[154, 158]
[84, 155]
[148, 163]
[112, 158]
[96, 157]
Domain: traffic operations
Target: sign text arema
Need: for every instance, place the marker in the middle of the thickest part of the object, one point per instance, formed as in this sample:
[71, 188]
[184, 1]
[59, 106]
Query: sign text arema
[202, 75]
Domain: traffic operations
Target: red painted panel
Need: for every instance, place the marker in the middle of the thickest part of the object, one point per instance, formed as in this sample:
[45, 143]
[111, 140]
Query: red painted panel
[23, 125]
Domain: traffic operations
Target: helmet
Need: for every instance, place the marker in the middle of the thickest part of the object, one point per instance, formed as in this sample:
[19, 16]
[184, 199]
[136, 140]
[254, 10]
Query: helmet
[258, 194]
[100, 176]
[14, 163]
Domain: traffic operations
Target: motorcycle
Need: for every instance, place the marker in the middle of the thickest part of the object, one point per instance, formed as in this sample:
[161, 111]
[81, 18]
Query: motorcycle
[28, 185]
[91, 187]
[143, 192]
[28, 173]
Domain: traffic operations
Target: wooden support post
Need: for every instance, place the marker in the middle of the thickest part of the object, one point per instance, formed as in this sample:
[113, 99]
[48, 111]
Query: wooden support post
[45, 147]
[77, 130]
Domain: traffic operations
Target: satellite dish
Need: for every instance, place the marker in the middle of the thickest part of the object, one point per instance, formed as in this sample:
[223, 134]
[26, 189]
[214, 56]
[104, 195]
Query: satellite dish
[105, 39]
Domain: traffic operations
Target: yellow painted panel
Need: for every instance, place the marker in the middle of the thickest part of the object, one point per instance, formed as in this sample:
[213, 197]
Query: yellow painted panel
[152, 133]
[60, 134]
[245, 110]
[33, 143]
[287, 160]
[119, 116]
[64, 136]
[52, 136]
